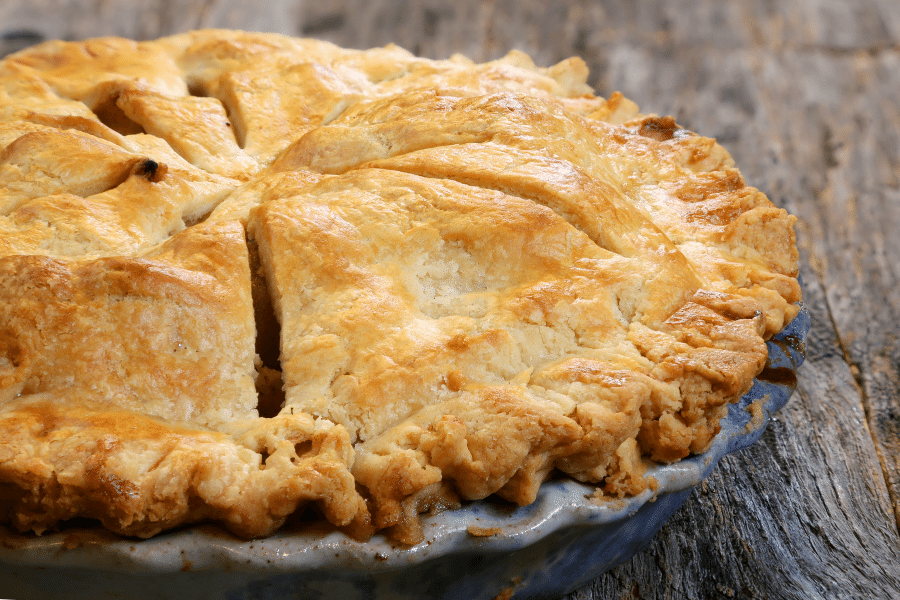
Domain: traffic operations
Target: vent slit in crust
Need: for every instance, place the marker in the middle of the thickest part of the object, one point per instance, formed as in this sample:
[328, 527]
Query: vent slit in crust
[60, 162]
[268, 335]
[111, 114]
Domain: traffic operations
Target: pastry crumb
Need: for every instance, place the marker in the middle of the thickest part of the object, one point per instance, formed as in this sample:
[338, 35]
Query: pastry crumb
[483, 531]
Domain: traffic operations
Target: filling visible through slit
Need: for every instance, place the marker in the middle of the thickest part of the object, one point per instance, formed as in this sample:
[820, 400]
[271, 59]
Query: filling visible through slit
[109, 113]
[268, 333]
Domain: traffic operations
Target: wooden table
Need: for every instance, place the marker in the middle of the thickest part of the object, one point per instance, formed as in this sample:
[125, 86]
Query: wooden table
[806, 96]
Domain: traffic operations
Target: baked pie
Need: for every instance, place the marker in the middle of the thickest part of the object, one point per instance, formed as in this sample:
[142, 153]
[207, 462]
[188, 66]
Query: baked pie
[242, 274]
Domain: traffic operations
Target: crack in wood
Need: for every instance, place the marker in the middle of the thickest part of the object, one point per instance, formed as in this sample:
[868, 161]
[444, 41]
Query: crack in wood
[859, 380]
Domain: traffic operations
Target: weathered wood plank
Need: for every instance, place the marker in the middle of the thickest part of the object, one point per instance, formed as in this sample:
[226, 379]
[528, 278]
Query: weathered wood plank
[482, 29]
[841, 127]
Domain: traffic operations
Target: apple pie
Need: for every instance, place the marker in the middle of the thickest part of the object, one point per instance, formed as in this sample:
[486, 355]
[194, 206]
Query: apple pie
[244, 274]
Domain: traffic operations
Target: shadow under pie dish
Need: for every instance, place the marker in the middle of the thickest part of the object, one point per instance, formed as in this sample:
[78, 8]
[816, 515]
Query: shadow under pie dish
[243, 274]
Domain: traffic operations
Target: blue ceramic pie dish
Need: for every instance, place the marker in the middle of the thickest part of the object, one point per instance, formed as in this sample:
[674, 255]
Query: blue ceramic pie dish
[483, 550]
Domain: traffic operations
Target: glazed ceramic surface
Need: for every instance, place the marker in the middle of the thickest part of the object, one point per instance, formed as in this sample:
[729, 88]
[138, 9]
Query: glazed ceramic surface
[544, 550]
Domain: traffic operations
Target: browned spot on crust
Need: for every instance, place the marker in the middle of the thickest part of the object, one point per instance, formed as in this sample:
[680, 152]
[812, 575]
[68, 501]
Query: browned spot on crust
[458, 342]
[661, 129]
[455, 380]
[116, 424]
[704, 185]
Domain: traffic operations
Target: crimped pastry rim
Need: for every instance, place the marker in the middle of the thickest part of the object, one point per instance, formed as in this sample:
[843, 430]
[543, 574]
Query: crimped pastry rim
[562, 504]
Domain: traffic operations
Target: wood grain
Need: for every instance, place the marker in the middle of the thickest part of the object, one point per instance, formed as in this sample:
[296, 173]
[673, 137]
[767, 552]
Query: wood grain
[804, 95]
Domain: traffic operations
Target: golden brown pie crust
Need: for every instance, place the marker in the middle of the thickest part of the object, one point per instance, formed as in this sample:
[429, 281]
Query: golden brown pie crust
[241, 273]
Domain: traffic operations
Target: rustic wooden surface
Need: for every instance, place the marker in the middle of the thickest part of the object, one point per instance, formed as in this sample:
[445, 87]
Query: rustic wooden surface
[804, 94]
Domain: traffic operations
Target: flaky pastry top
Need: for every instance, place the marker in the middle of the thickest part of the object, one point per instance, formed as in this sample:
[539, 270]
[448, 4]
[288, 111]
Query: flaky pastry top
[241, 273]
